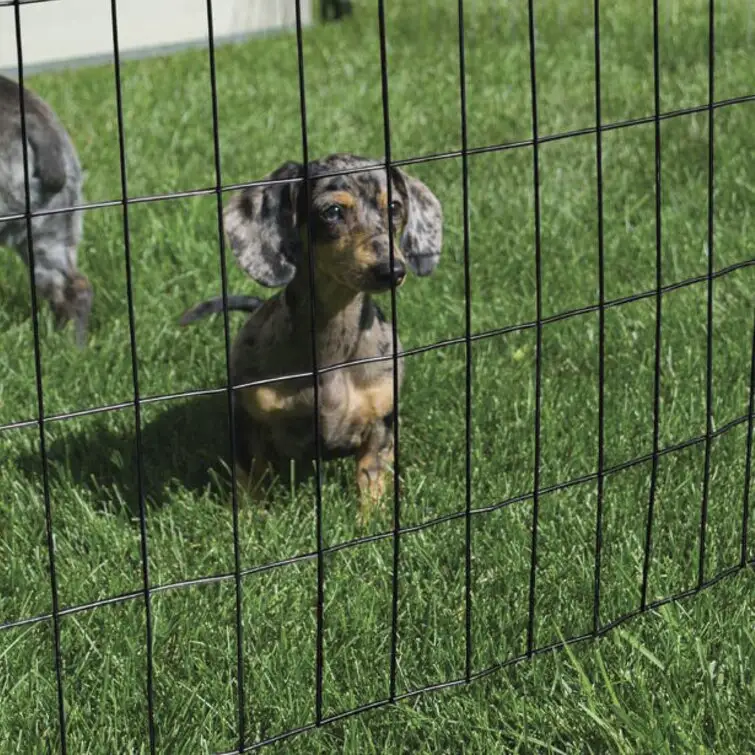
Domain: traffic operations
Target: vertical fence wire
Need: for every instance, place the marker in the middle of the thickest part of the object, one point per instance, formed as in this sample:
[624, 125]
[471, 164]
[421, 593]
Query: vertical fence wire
[709, 332]
[539, 333]
[57, 656]
[748, 457]
[658, 311]
[241, 712]
[319, 618]
[394, 338]
[601, 328]
[135, 374]
[467, 352]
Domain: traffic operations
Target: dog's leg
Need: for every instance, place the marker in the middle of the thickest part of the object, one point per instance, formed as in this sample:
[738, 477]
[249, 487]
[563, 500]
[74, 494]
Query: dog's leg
[374, 461]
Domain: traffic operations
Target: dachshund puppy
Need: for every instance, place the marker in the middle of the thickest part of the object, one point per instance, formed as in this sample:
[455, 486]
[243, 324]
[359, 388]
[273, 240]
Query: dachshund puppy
[348, 215]
[55, 181]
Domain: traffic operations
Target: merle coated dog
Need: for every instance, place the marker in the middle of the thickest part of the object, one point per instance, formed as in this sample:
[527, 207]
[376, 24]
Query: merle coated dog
[348, 217]
[55, 181]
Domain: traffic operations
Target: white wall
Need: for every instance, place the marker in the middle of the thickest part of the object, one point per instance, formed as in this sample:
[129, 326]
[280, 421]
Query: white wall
[64, 31]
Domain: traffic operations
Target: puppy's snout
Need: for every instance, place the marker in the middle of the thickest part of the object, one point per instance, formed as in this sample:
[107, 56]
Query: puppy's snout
[387, 275]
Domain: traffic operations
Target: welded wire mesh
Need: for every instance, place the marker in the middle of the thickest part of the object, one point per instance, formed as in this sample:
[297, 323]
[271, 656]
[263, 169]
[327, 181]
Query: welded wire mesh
[245, 741]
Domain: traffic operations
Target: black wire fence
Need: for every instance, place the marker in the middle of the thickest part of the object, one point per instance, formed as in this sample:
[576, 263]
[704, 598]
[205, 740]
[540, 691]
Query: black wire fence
[148, 589]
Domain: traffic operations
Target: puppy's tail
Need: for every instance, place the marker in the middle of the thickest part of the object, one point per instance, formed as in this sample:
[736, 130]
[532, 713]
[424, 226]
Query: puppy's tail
[214, 306]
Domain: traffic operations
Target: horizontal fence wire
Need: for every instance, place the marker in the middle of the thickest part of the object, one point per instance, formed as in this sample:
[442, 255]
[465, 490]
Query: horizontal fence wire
[469, 512]
[16, 3]
[402, 162]
[455, 341]
[496, 667]
[746, 419]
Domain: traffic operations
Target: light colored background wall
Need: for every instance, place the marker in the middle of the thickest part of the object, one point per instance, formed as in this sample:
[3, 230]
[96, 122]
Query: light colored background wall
[58, 32]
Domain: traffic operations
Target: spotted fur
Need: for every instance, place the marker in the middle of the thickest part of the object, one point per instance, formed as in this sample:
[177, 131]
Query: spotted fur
[269, 227]
[55, 183]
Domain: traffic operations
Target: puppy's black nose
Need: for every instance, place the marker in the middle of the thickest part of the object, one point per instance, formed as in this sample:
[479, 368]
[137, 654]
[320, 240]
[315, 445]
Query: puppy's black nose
[386, 276]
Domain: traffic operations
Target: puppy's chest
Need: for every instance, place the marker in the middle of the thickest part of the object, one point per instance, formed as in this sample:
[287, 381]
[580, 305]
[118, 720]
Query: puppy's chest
[350, 404]
[351, 401]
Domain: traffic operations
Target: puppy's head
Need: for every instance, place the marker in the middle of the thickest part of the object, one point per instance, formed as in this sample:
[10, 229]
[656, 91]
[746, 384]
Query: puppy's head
[349, 218]
[75, 305]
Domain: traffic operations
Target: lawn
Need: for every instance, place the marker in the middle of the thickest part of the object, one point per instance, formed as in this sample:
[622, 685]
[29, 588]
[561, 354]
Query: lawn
[678, 678]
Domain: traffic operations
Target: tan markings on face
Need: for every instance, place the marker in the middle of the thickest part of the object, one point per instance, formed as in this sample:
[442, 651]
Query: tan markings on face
[346, 258]
[343, 198]
[383, 200]
[349, 259]
[364, 254]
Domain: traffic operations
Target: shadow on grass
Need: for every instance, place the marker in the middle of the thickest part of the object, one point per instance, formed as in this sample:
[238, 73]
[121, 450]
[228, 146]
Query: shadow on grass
[184, 446]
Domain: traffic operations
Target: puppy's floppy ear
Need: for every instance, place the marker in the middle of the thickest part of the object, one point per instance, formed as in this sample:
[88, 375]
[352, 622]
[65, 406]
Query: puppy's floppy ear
[261, 223]
[422, 238]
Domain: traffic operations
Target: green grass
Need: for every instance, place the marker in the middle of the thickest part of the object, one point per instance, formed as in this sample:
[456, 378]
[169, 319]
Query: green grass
[678, 679]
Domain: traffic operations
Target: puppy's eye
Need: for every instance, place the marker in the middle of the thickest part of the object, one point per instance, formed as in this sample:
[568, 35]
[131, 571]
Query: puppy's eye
[333, 213]
[396, 209]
